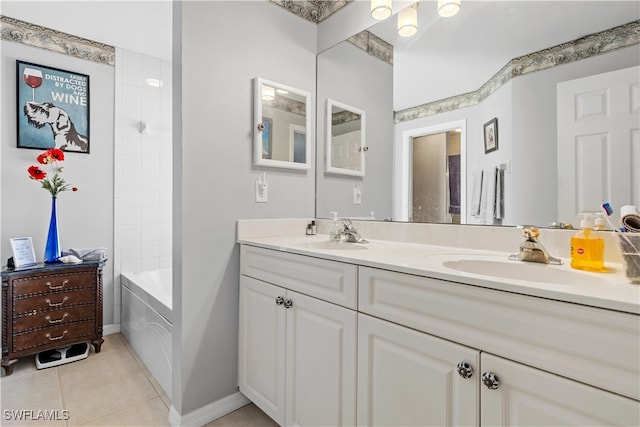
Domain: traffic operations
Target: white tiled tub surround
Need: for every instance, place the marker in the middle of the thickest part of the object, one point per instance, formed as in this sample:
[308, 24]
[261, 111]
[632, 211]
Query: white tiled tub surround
[143, 175]
[419, 249]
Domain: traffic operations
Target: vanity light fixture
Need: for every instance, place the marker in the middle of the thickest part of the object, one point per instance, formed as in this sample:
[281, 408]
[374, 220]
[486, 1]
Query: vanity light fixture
[408, 20]
[447, 8]
[268, 93]
[380, 9]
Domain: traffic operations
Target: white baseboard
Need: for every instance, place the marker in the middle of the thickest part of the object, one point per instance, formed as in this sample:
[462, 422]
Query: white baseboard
[113, 328]
[208, 413]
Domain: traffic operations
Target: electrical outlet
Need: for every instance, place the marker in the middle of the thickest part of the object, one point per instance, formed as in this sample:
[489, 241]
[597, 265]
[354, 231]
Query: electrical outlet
[357, 195]
[262, 192]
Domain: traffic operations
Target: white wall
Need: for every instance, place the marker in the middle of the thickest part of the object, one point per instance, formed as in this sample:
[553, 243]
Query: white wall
[350, 76]
[85, 218]
[214, 179]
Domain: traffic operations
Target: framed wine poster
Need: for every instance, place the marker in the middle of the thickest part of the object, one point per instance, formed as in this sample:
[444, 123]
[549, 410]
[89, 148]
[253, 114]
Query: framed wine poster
[52, 108]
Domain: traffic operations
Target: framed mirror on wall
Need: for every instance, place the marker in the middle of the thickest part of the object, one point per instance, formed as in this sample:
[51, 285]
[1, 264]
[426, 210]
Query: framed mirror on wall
[282, 119]
[345, 153]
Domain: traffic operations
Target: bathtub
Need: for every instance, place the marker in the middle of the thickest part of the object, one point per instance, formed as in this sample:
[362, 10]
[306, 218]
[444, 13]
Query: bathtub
[146, 320]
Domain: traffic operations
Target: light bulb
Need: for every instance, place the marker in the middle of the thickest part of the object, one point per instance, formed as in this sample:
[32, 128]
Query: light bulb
[408, 21]
[380, 9]
[447, 8]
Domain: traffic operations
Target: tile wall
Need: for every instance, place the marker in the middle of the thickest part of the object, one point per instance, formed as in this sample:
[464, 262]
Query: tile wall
[142, 164]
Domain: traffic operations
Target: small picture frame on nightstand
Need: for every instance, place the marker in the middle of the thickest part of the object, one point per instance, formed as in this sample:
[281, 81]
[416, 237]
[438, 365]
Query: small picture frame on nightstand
[23, 254]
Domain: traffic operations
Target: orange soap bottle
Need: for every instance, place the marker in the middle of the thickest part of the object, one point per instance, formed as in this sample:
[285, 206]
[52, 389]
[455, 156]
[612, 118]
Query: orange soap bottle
[587, 248]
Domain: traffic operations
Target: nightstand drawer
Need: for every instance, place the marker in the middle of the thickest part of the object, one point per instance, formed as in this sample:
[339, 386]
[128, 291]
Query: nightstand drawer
[44, 319]
[54, 300]
[53, 282]
[62, 334]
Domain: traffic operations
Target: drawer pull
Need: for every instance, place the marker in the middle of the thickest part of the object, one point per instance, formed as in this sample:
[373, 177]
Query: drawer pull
[58, 320]
[48, 335]
[64, 283]
[490, 380]
[464, 370]
[57, 304]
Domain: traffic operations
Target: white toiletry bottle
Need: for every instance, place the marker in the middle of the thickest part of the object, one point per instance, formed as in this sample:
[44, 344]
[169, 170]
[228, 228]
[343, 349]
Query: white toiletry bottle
[335, 234]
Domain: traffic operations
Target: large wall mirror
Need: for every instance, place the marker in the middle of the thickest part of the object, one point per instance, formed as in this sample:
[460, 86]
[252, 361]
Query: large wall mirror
[494, 59]
[281, 118]
[345, 139]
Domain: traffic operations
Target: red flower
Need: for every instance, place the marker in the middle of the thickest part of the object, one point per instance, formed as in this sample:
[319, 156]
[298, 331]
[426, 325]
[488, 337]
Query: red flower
[74, 188]
[56, 154]
[43, 159]
[36, 173]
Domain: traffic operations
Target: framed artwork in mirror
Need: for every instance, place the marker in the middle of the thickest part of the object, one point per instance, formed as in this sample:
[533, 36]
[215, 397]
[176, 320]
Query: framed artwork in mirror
[345, 139]
[279, 108]
[491, 135]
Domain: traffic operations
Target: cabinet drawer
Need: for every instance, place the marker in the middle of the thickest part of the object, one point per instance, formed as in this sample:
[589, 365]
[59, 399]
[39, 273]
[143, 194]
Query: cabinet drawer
[53, 282]
[53, 300]
[324, 279]
[596, 346]
[61, 334]
[63, 316]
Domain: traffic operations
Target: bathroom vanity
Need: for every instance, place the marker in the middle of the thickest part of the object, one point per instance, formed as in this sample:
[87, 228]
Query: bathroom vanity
[384, 334]
[50, 306]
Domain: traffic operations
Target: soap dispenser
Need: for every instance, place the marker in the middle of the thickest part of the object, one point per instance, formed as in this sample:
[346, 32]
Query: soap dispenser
[335, 234]
[587, 248]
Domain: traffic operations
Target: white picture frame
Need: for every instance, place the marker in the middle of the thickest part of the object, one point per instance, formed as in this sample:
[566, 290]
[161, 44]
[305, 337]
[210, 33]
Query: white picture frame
[23, 253]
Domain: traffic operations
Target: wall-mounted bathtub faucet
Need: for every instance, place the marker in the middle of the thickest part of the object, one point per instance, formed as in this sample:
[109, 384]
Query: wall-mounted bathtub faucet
[531, 250]
[350, 234]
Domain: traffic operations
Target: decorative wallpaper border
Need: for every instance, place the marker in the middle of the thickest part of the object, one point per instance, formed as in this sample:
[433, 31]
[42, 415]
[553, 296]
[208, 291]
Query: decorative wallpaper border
[373, 45]
[45, 38]
[314, 11]
[576, 50]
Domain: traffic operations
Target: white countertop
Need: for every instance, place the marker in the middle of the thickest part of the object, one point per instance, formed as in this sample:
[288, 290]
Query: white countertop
[609, 290]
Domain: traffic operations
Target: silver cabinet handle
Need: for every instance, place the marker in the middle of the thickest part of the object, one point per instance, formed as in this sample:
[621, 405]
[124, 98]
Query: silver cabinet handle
[288, 304]
[260, 126]
[279, 300]
[490, 380]
[464, 370]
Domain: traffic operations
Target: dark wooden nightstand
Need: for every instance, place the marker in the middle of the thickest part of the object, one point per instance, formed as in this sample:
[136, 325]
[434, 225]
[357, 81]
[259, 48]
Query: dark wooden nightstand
[50, 306]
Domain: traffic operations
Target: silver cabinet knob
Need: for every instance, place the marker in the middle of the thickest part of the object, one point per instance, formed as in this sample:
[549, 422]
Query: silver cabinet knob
[464, 370]
[490, 380]
[279, 300]
[288, 303]
[260, 126]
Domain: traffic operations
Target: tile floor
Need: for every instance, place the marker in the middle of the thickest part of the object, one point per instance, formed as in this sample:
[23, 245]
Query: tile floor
[111, 388]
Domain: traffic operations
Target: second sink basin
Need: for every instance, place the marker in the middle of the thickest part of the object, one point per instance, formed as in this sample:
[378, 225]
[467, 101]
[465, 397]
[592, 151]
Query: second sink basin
[532, 272]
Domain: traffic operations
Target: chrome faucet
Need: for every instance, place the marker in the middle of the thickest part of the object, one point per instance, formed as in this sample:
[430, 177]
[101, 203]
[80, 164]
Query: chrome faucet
[531, 250]
[350, 234]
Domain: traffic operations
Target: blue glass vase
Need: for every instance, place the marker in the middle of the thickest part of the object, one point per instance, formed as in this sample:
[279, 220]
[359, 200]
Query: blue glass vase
[52, 252]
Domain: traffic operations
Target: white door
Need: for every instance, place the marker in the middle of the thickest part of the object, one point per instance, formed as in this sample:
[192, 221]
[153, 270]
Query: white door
[261, 346]
[530, 397]
[408, 378]
[321, 363]
[598, 142]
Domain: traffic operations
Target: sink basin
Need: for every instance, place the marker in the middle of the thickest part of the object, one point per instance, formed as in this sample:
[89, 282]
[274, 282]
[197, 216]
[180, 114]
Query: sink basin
[336, 246]
[531, 272]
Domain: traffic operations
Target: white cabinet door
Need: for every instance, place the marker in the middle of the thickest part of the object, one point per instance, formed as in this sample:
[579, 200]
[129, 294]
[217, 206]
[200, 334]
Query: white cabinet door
[321, 363]
[261, 346]
[408, 378]
[529, 397]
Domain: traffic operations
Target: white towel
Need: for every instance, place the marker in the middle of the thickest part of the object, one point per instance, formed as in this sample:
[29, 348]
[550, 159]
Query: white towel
[92, 254]
[488, 196]
[476, 193]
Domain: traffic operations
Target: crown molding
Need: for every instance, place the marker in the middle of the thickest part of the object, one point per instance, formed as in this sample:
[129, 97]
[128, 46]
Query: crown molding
[45, 38]
[575, 50]
[314, 11]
